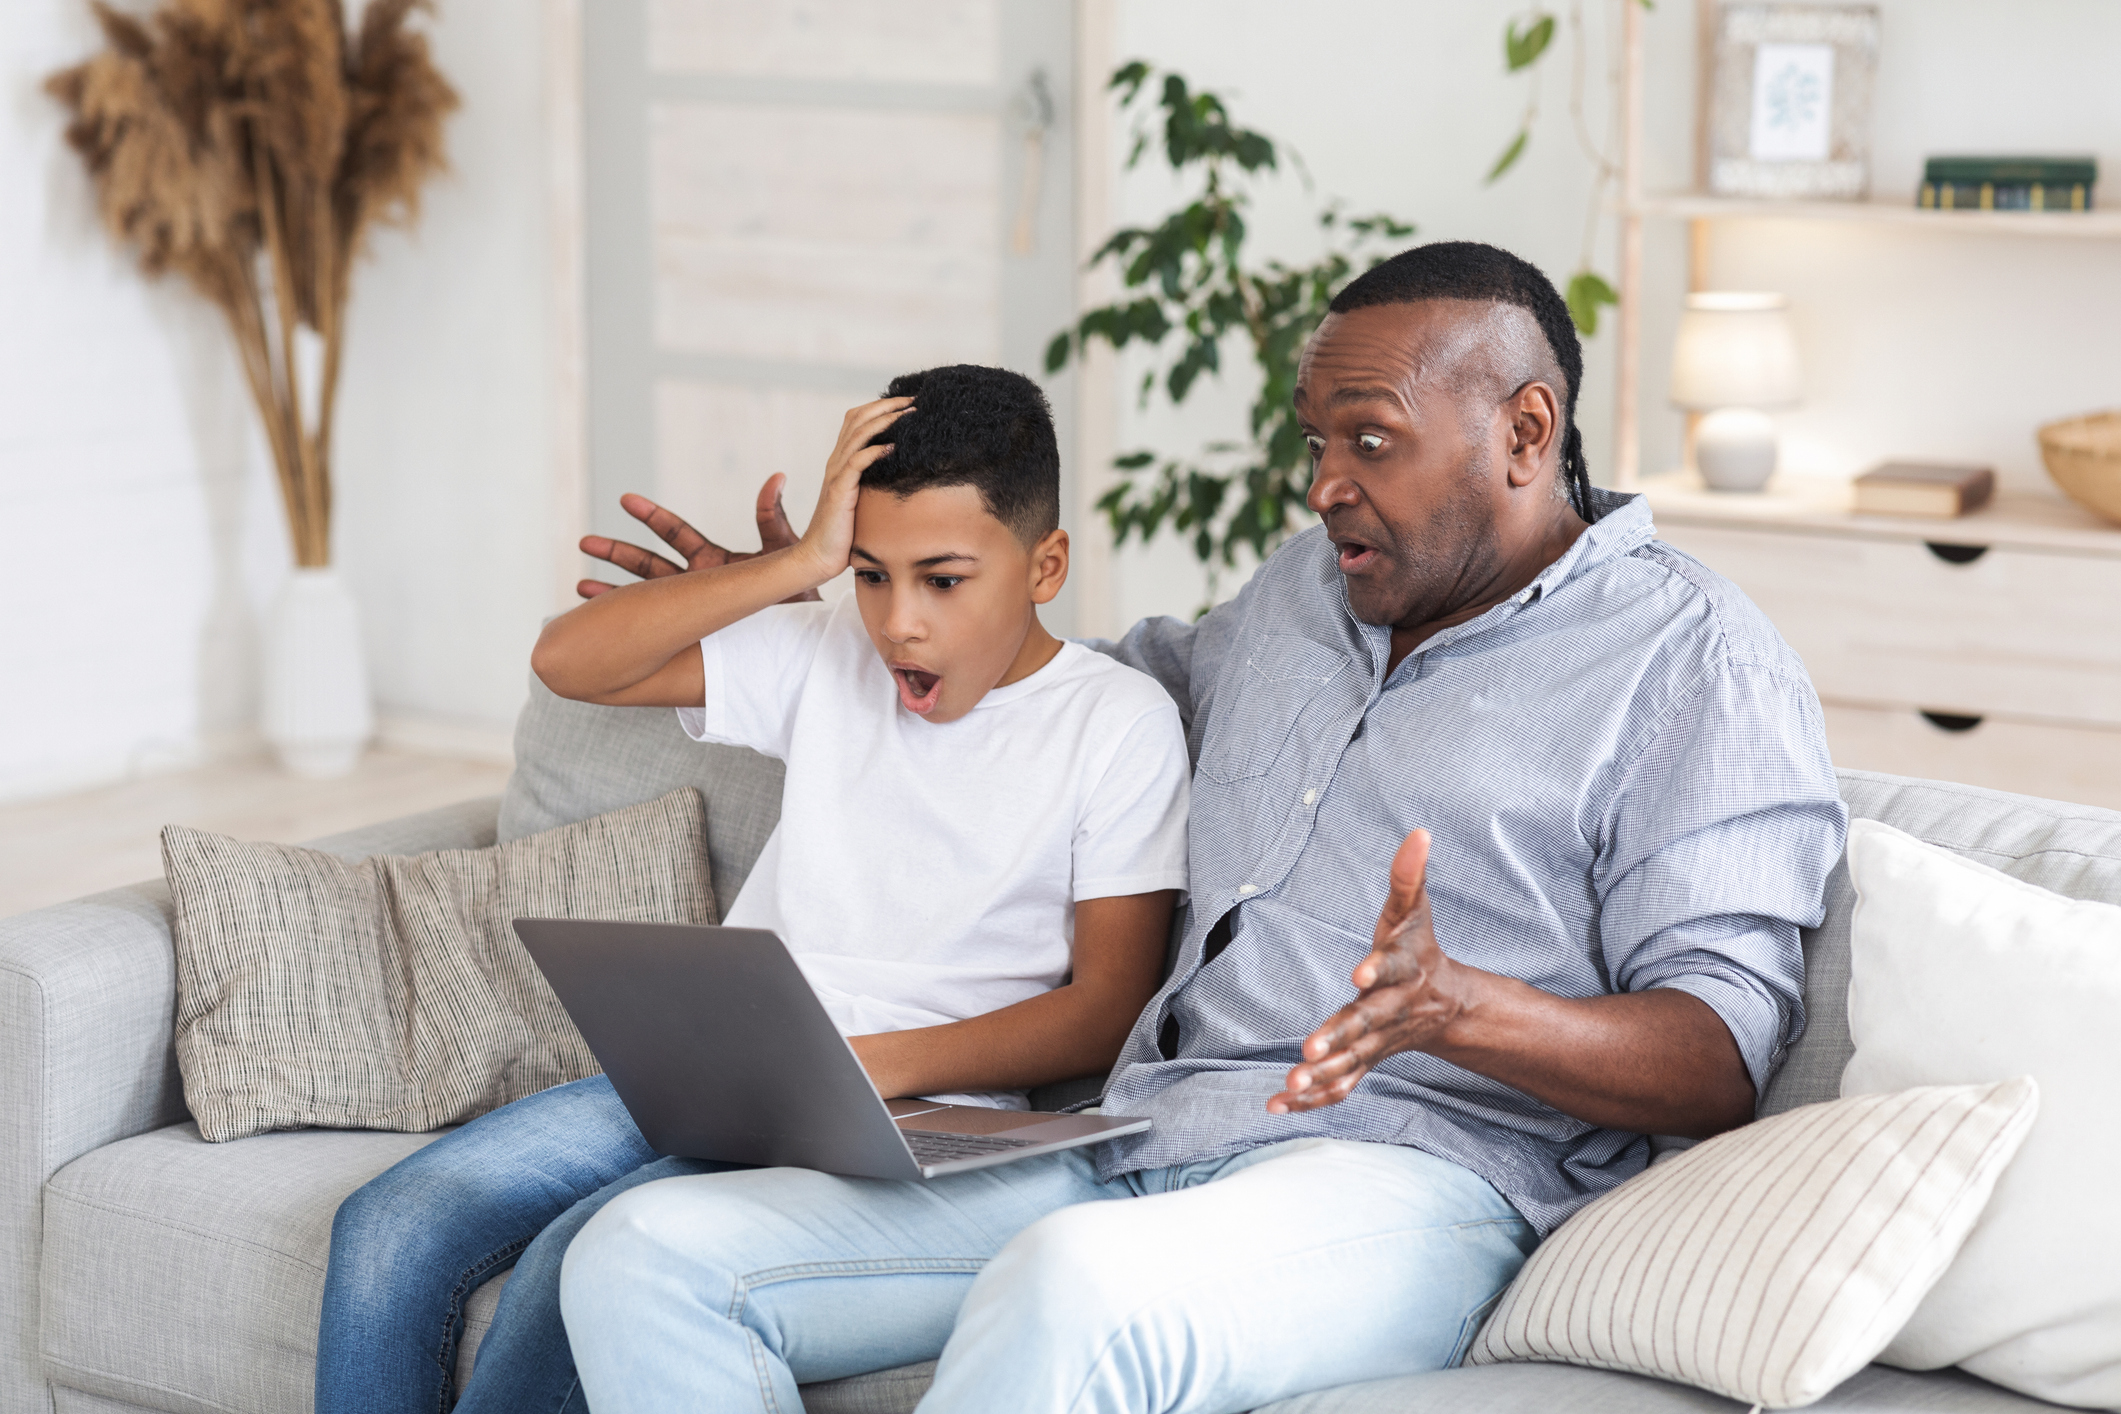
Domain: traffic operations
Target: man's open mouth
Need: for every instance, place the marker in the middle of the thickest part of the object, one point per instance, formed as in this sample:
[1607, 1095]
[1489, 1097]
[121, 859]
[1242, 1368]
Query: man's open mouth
[1355, 556]
[918, 689]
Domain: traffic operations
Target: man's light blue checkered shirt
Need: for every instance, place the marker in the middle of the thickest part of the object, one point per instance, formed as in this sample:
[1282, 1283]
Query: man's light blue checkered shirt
[1626, 779]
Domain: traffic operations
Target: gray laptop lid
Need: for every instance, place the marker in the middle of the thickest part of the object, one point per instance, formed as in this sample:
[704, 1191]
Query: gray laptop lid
[726, 1054]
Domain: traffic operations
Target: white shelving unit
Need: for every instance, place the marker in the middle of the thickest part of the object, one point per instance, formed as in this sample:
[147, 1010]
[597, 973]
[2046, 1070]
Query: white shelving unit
[1701, 210]
[1985, 649]
[2062, 225]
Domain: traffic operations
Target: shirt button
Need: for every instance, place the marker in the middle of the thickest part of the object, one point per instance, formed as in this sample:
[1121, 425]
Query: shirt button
[1248, 888]
[1310, 797]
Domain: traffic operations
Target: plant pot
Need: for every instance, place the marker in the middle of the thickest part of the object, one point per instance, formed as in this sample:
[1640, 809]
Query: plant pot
[317, 713]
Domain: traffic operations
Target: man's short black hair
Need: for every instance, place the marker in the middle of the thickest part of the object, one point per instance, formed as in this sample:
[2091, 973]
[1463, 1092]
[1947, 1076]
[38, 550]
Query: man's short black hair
[986, 428]
[1469, 270]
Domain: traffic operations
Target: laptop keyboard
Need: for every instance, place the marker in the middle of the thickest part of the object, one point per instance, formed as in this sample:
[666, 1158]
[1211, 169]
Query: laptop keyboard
[931, 1146]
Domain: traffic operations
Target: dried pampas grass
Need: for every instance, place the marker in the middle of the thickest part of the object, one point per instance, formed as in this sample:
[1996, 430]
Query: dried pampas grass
[249, 145]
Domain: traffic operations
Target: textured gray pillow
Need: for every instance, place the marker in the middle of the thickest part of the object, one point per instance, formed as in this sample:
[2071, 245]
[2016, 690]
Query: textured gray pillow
[392, 993]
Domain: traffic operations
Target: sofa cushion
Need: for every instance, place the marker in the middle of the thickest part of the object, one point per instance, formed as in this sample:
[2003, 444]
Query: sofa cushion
[1516, 1389]
[575, 760]
[187, 1276]
[1565, 1389]
[2072, 850]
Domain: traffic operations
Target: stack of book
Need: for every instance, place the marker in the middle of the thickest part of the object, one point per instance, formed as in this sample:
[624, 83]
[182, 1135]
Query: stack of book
[2008, 183]
[1935, 489]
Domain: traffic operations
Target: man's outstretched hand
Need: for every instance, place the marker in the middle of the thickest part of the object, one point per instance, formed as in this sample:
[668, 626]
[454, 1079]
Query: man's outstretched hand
[1407, 995]
[698, 552]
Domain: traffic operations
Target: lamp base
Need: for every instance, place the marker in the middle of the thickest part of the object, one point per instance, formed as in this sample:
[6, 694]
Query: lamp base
[1735, 449]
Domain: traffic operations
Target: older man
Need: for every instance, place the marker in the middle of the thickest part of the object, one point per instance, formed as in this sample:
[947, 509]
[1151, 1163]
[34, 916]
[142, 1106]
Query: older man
[1554, 795]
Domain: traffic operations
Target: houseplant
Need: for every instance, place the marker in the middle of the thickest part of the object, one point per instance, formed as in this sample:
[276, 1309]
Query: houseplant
[250, 146]
[1189, 276]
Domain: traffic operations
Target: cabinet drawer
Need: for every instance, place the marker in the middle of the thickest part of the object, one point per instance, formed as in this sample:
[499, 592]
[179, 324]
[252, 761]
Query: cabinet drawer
[2015, 632]
[2078, 764]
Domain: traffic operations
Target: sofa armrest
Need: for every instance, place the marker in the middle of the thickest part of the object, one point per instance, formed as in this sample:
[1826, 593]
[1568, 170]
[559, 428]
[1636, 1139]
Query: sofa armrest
[88, 1000]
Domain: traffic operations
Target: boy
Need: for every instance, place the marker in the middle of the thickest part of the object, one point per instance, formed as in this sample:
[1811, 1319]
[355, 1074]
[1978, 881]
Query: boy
[981, 841]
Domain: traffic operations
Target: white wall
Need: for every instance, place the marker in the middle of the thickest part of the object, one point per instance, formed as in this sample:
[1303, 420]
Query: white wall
[143, 535]
[1916, 344]
[447, 520]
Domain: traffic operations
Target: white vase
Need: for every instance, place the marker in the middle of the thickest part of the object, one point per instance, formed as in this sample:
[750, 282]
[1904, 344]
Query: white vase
[317, 712]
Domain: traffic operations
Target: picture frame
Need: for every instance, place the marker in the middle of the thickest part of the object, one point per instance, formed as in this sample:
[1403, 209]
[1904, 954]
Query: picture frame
[1790, 101]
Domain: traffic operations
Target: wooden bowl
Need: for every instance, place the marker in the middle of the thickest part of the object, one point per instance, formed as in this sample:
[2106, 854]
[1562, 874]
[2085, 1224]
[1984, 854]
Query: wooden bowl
[2083, 454]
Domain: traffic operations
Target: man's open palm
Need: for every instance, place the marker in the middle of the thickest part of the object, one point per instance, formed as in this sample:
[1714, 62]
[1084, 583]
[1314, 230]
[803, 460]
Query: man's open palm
[695, 549]
[1404, 999]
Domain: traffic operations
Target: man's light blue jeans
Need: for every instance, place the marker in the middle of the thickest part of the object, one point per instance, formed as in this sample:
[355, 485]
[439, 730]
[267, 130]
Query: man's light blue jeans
[1207, 1287]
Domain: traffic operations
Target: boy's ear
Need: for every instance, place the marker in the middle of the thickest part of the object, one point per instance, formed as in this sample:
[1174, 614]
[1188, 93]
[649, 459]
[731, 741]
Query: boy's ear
[1049, 566]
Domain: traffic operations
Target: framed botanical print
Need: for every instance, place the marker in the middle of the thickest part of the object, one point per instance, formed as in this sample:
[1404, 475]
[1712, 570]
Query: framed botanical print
[1790, 101]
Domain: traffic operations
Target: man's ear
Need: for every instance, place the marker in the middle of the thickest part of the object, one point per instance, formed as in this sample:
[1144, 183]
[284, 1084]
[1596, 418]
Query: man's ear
[1049, 566]
[1534, 431]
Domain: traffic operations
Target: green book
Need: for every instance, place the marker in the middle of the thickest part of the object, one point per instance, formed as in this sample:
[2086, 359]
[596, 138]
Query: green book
[2012, 171]
[2008, 184]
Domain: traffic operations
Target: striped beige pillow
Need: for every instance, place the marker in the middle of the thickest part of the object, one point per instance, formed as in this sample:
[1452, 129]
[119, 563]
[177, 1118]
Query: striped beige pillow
[1771, 1263]
[392, 993]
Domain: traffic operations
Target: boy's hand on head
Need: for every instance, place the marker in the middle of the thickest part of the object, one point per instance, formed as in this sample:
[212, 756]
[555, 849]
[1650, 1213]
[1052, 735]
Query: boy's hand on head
[775, 533]
[830, 539]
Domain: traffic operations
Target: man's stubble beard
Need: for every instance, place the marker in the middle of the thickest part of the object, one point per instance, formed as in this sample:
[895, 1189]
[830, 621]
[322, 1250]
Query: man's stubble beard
[1458, 557]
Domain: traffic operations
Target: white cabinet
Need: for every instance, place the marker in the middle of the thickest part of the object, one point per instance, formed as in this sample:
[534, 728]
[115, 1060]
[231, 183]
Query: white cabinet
[1985, 649]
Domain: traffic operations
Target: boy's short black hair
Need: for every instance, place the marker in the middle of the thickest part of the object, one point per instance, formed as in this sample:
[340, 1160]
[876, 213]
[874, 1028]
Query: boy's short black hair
[986, 428]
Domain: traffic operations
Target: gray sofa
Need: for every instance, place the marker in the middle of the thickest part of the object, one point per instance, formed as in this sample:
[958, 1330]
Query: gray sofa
[147, 1270]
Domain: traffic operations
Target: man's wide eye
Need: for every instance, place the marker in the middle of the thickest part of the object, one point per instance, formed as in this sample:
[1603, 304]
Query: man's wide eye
[1370, 441]
[1317, 446]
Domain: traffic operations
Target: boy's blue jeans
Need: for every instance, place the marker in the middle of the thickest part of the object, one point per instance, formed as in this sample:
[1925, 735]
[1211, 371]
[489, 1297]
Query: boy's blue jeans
[408, 1250]
[1203, 1288]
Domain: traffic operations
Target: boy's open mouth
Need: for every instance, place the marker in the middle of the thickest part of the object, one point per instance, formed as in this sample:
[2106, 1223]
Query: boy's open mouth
[918, 689]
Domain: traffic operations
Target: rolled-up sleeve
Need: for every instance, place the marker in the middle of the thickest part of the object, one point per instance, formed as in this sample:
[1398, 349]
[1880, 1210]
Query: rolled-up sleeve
[1718, 845]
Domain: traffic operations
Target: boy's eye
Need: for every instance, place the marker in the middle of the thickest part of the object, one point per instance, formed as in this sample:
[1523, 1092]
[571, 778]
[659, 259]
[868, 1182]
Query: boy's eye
[870, 576]
[945, 581]
[1317, 446]
[1370, 442]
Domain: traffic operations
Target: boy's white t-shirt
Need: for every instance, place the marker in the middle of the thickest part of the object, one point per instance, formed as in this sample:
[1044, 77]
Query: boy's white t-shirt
[927, 872]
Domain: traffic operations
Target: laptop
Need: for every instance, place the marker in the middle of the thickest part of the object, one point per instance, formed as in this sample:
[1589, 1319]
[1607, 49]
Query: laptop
[719, 1049]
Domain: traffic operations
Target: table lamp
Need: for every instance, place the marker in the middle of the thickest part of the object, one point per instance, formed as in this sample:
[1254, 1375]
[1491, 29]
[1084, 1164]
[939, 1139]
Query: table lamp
[1736, 358]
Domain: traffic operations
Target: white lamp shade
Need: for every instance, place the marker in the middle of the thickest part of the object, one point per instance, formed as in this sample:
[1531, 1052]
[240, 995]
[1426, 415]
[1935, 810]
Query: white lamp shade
[1735, 350]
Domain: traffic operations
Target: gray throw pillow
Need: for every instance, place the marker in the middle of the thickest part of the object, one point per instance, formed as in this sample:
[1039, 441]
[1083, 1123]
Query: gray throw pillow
[392, 993]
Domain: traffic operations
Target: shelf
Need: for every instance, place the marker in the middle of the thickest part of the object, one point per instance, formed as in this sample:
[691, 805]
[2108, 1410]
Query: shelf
[1687, 206]
[2026, 520]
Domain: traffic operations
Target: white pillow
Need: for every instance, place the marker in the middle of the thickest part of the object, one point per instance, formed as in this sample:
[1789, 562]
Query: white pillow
[1960, 973]
[1770, 1263]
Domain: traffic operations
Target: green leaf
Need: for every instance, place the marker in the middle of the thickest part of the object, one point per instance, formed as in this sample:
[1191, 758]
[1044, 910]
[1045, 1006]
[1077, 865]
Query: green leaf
[1057, 352]
[1510, 154]
[1588, 290]
[1523, 48]
[1134, 461]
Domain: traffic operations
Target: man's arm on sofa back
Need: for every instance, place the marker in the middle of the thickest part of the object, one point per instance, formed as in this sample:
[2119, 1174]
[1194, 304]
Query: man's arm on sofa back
[88, 1000]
